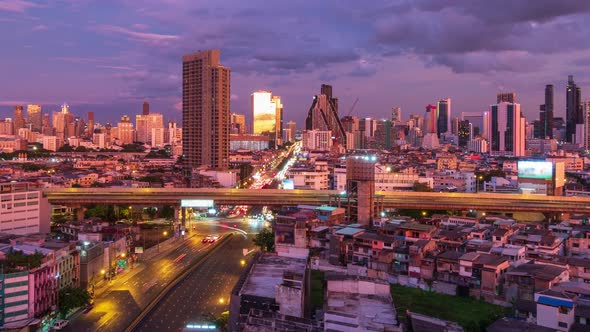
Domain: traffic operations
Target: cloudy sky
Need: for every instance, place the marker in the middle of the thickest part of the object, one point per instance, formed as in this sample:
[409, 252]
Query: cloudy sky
[107, 56]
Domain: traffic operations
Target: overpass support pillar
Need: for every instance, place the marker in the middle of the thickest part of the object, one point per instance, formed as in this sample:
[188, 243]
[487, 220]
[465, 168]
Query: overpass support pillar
[80, 213]
[183, 216]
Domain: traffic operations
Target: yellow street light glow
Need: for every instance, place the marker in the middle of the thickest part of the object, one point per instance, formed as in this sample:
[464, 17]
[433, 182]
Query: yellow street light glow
[165, 233]
[123, 255]
[242, 262]
[103, 271]
[221, 300]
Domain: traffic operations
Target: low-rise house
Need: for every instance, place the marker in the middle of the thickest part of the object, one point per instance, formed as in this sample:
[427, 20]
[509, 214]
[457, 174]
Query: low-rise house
[447, 266]
[482, 273]
[525, 280]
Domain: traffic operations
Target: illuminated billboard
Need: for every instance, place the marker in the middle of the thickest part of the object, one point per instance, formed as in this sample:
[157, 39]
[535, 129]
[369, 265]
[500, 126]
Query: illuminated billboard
[197, 203]
[535, 170]
[288, 184]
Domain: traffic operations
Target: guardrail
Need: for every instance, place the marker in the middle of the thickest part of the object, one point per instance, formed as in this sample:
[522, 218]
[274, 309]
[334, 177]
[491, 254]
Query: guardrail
[174, 283]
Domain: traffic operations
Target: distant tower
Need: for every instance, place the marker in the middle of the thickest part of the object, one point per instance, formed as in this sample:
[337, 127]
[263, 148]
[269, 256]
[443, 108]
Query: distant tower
[396, 114]
[90, 131]
[508, 97]
[323, 115]
[19, 119]
[35, 117]
[574, 113]
[506, 130]
[546, 114]
[146, 108]
[238, 123]
[443, 116]
[205, 111]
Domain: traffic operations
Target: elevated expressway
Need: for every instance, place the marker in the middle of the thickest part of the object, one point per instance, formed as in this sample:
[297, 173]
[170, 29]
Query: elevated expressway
[273, 197]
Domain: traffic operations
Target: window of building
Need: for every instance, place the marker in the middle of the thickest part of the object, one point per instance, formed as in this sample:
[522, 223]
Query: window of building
[562, 324]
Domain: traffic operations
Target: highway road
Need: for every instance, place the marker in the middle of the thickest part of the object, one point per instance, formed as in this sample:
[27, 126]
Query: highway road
[124, 297]
[203, 294]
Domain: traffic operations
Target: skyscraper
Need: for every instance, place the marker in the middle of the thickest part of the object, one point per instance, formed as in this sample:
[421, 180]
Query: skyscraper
[430, 120]
[573, 111]
[546, 114]
[443, 116]
[205, 110]
[508, 97]
[125, 132]
[238, 123]
[146, 108]
[19, 119]
[586, 106]
[506, 129]
[90, 130]
[144, 125]
[35, 117]
[291, 128]
[396, 114]
[267, 114]
[323, 115]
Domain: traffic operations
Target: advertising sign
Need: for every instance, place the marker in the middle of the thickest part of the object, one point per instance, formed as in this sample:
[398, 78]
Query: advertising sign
[198, 203]
[288, 184]
[139, 250]
[535, 170]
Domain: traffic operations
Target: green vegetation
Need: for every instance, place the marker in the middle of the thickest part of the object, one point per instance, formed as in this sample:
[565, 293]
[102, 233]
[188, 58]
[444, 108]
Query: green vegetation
[104, 212]
[16, 260]
[317, 289]
[160, 154]
[265, 240]
[65, 148]
[72, 298]
[487, 176]
[421, 187]
[473, 315]
[30, 167]
[133, 148]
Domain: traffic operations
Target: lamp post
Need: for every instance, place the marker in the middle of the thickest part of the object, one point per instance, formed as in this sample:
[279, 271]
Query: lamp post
[477, 180]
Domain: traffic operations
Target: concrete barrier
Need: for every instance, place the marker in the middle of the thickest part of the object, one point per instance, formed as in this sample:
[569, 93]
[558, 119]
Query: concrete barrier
[175, 282]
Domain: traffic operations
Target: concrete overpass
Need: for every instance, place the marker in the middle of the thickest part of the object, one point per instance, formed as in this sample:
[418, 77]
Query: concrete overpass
[273, 197]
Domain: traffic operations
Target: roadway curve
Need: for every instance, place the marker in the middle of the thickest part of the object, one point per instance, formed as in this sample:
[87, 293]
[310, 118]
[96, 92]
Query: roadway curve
[270, 197]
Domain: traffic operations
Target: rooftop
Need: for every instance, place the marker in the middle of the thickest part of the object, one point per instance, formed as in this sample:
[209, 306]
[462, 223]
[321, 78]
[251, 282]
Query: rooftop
[371, 312]
[267, 272]
[539, 271]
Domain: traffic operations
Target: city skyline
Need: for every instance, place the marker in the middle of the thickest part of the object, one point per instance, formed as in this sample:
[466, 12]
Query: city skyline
[138, 58]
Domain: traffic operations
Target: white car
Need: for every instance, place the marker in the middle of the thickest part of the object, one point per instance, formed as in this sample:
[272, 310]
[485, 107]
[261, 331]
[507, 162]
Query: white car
[60, 324]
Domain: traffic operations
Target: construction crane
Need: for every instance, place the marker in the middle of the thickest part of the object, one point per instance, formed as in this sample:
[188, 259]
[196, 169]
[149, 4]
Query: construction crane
[353, 106]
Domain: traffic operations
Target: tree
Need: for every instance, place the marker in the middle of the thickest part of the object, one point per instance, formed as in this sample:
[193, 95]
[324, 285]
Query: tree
[72, 298]
[265, 240]
[65, 148]
[81, 149]
[422, 187]
[222, 321]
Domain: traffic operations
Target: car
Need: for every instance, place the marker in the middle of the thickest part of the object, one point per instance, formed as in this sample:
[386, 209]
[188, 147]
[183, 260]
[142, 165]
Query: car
[215, 238]
[207, 239]
[60, 324]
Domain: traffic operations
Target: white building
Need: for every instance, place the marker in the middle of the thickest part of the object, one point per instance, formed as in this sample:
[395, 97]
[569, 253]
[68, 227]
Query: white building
[50, 143]
[317, 140]
[506, 130]
[23, 211]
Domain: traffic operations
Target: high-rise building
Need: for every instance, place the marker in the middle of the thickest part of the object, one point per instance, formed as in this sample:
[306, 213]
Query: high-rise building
[546, 114]
[65, 108]
[430, 120]
[443, 116]
[323, 115]
[125, 132]
[506, 97]
[506, 129]
[144, 125]
[238, 123]
[90, 129]
[146, 108]
[586, 106]
[205, 110]
[34, 117]
[291, 129]
[477, 122]
[574, 112]
[465, 133]
[396, 114]
[18, 119]
[276, 101]
[267, 113]
[6, 126]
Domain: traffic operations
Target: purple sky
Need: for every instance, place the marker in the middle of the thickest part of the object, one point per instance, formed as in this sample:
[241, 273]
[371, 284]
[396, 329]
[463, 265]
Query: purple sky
[107, 56]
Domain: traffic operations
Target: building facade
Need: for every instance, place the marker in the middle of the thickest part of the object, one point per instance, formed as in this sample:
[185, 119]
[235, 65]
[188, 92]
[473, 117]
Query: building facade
[205, 110]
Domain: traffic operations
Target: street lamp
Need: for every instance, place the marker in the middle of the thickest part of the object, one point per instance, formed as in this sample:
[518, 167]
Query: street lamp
[477, 180]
